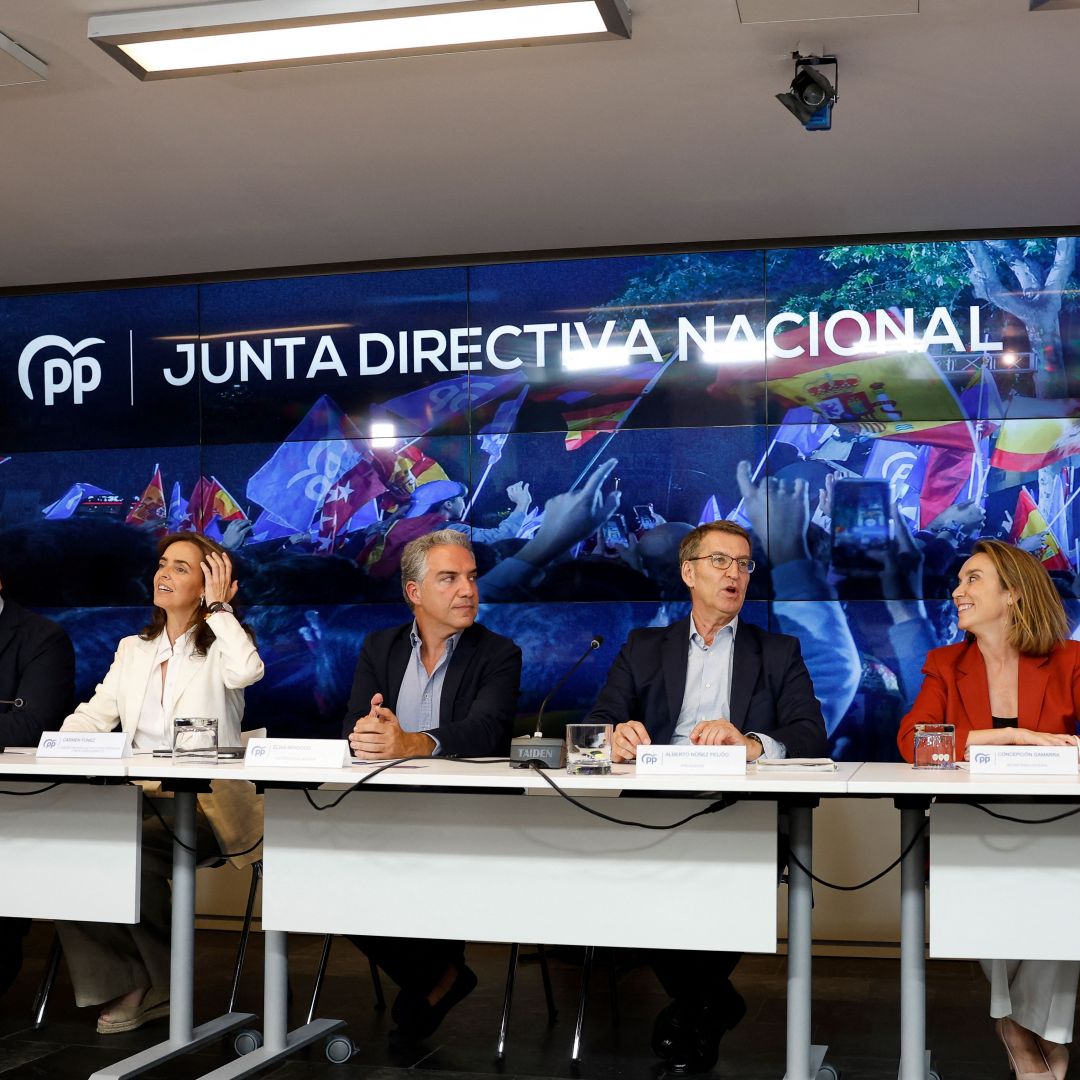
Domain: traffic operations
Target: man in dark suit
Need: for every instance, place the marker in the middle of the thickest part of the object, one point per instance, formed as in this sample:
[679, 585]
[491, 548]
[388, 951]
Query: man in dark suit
[37, 690]
[709, 680]
[439, 685]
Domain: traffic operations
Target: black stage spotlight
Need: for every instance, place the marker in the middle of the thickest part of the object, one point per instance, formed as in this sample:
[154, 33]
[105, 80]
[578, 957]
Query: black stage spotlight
[812, 96]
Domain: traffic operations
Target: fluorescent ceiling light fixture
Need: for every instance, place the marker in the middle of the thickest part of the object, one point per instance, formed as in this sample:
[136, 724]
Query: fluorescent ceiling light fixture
[207, 39]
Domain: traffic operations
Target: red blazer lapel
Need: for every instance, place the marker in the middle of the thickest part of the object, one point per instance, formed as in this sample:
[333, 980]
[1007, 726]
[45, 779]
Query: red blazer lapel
[1034, 675]
[973, 689]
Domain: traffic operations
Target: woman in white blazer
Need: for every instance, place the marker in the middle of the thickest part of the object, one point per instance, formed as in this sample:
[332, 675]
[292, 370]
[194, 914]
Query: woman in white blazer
[194, 658]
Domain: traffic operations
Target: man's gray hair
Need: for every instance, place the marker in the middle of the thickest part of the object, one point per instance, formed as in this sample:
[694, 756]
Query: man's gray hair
[414, 558]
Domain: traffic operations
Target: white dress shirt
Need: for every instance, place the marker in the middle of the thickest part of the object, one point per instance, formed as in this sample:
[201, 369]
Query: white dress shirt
[707, 695]
[151, 731]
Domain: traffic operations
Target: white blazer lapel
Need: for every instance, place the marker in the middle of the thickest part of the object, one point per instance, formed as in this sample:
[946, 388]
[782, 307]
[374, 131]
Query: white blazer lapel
[142, 663]
[193, 665]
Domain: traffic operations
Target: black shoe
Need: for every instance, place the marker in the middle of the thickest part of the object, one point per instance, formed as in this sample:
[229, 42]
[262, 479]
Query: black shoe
[688, 1036]
[417, 1018]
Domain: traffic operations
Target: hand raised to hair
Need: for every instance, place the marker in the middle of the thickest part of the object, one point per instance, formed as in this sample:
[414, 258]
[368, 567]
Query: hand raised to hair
[218, 585]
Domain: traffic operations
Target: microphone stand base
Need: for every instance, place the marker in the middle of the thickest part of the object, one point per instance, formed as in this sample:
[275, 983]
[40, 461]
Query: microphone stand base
[545, 753]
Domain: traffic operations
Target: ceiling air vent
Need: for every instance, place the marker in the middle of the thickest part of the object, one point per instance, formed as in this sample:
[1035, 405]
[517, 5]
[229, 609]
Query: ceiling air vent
[771, 11]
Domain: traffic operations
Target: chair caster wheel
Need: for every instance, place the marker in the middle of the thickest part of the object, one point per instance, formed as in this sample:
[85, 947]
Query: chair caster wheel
[828, 1072]
[247, 1041]
[934, 1075]
[339, 1048]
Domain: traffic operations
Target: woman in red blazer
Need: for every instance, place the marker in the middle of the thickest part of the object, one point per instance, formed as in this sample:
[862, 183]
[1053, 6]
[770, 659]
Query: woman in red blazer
[1014, 680]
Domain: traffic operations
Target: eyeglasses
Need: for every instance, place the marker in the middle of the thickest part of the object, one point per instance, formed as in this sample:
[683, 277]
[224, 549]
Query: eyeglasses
[721, 561]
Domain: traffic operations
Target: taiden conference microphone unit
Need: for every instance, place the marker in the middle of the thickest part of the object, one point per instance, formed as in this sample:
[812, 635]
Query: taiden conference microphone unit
[547, 753]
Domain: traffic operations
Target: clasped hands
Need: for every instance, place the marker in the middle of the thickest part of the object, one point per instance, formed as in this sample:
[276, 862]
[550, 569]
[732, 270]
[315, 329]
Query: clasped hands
[378, 736]
[627, 737]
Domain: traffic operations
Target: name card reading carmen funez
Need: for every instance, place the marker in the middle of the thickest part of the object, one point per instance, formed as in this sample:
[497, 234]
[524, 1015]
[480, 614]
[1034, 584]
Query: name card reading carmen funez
[83, 744]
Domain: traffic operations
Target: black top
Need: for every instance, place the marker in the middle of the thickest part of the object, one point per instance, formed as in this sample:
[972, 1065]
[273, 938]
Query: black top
[37, 665]
[1005, 721]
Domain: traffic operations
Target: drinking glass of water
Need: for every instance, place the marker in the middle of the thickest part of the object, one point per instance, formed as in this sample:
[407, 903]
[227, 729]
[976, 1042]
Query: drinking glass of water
[588, 749]
[195, 740]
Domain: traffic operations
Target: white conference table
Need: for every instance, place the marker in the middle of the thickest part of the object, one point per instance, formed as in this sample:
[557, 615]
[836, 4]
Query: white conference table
[974, 856]
[472, 824]
[504, 865]
[91, 826]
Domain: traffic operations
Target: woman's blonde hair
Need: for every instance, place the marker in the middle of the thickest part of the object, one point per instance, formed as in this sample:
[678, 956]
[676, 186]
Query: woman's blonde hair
[1038, 618]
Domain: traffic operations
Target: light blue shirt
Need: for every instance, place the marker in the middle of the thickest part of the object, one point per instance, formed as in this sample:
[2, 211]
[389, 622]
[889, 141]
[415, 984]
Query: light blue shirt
[420, 695]
[708, 686]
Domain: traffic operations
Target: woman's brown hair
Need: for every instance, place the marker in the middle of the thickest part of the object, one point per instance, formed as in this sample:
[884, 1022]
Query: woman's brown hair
[204, 637]
[1038, 617]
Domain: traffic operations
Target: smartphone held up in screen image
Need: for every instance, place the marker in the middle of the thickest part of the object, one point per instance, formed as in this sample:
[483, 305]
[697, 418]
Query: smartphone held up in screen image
[861, 525]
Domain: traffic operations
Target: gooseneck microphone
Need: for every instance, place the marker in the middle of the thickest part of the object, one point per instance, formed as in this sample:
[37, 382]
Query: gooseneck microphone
[548, 753]
[596, 642]
[18, 702]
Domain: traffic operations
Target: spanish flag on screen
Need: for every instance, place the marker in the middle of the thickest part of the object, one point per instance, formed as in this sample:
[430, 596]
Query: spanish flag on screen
[1026, 445]
[149, 509]
[584, 424]
[1028, 521]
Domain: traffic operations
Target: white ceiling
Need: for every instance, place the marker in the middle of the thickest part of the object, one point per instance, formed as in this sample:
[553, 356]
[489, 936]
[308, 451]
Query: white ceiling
[960, 117]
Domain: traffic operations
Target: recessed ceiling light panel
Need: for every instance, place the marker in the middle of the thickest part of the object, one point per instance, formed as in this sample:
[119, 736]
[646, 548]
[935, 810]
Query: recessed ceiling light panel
[205, 39]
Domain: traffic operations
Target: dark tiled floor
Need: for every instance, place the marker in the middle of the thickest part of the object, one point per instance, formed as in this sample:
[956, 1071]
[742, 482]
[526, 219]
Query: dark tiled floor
[855, 1008]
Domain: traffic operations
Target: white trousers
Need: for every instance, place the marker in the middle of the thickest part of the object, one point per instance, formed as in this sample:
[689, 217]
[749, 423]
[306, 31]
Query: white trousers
[1039, 995]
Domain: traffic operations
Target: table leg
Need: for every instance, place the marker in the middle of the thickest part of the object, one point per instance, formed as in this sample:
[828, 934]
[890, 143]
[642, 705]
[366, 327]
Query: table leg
[914, 1057]
[183, 1036]
[804, 1060]
[278, 1041]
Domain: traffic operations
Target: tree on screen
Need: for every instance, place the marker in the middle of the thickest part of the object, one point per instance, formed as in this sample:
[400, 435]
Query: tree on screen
[1028, 279]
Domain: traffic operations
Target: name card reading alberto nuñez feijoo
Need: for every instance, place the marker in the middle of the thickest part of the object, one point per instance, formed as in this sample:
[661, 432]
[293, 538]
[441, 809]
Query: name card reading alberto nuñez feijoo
[1024, 760]
[82, 744]
[297, 753]
[692, 760]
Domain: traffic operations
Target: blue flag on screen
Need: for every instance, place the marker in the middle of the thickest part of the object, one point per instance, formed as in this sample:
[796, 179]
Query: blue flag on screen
[493, 436]
[420, 411]
[710, 512]
[267, 527]
[294, 482]
[981, 399]
[805, 430]
[903, 467]
[178, 509]
[68, 503]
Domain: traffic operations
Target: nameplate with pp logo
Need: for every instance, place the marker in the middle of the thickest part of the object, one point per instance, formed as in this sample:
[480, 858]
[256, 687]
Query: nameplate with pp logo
[1024, 760]
[82, 744]
[691, 760]
[298, 753]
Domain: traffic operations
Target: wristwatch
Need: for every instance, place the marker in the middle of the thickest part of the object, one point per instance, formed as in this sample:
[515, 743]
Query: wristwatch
[218, 605]
[751, 735]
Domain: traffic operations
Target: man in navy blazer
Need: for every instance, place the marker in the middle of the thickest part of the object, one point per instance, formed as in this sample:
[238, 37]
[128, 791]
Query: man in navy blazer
[37, 671]
[439, 685]
[710, 679]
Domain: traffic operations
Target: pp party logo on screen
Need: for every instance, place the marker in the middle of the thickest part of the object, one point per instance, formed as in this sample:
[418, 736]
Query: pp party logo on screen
[61, 368]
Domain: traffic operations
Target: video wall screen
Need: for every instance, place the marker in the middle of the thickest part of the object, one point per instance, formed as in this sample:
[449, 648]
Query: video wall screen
[867, 411]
